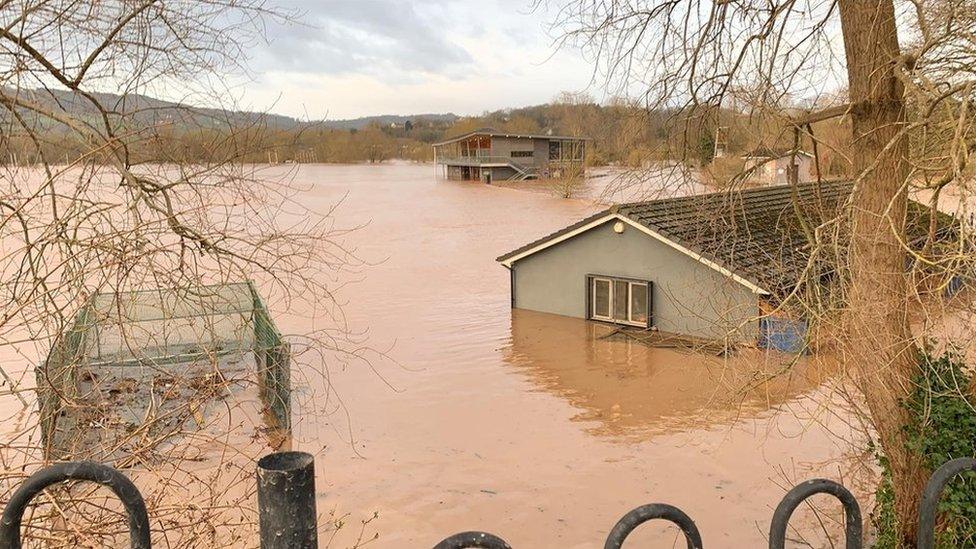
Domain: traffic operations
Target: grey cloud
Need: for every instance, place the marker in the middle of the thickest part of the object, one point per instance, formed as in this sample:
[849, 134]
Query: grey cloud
[382, 38]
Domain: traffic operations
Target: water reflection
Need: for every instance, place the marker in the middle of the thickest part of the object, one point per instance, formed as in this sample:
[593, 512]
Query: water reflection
[624, 388]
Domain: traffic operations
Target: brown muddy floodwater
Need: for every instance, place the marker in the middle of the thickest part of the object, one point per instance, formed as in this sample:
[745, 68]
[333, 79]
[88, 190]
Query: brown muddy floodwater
[535, 427]
[528, 425]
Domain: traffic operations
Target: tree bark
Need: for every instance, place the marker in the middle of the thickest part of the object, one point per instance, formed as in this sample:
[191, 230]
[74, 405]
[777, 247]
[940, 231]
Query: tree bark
[878, 343]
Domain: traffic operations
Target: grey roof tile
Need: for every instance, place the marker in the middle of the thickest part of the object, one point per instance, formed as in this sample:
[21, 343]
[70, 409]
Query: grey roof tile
[755, 233]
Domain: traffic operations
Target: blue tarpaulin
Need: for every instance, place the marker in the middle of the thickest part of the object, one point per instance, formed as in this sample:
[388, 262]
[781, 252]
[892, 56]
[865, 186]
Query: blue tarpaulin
[783, 334]
[956, 283]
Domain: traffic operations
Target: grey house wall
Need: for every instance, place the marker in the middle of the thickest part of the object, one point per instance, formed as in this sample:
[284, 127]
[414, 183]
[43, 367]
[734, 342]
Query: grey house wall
[688, 296]
[542, 155]
[503, 146]
[774, 172]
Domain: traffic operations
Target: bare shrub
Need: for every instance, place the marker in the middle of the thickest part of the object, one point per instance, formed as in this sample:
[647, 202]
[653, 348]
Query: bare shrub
[95, 218]
[569, 181]
[725, 171]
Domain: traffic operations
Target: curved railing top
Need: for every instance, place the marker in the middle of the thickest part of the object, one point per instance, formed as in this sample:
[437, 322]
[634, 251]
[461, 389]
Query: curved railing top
[128, 494]
[929, 505]
[473, 540]
[629, 522]
[799, 493]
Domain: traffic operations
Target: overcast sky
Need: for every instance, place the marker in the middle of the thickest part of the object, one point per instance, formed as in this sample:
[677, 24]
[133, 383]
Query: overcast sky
[352, 58]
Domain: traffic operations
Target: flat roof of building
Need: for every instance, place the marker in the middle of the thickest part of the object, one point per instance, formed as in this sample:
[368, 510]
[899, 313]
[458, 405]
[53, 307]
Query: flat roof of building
[491, 132]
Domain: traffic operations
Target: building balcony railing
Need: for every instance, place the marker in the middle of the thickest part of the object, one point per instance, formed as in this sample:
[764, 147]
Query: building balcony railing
[523, 171]
[475, 160]
[481, 160]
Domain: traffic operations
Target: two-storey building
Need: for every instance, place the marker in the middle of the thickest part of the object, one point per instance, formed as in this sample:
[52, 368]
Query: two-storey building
[490, 155]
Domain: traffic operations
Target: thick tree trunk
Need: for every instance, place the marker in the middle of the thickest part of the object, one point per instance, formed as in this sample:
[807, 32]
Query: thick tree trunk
[879, 345]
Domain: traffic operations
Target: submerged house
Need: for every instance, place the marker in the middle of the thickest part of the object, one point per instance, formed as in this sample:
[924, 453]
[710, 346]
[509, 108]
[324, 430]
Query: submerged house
[766, 166]
[490, 155]
[708, 266]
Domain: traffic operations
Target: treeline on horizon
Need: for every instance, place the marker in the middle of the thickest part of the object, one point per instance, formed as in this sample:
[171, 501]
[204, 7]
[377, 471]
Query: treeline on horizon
[622, 134]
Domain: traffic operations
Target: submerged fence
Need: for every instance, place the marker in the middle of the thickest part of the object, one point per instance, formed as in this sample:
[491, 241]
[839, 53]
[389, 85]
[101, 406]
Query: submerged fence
[132, 343]
[287, 514]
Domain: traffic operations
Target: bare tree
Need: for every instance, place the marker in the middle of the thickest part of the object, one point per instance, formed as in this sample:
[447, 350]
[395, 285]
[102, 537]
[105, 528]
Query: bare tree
[82, 213]
[878, 336]
[570, 180]
[909, 72]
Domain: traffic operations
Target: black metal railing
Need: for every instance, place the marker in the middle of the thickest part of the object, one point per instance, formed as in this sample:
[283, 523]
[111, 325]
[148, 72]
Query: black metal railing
[128, 494]
[798, 494]
[287, 514]
[629, 522]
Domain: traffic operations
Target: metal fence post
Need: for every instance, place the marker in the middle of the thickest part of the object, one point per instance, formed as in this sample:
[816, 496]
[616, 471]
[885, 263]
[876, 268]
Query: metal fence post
[286, 501]
[473, 540]
[128, 494]
[652, 511]
[800, 492]
[929, 505]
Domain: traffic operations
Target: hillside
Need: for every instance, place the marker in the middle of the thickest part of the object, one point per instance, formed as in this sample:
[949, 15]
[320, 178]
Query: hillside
[146, 110]
[388, 119]
[621, 133]
[143, 110]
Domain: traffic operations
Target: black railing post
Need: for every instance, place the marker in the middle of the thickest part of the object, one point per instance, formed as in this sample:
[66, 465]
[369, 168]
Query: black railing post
[473, 540]
[286, 501]
[652, 511]
[800, 492]
[929, 505]
[128, 494]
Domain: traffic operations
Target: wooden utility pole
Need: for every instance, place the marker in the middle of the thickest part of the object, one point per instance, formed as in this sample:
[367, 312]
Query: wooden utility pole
[721, 142]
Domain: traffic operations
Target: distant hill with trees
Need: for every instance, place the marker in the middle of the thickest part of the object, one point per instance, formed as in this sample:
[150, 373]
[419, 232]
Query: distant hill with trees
[392, 120]
[623, 133]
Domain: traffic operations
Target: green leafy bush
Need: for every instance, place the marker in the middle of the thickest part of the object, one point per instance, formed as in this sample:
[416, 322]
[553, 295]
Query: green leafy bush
[943, 427]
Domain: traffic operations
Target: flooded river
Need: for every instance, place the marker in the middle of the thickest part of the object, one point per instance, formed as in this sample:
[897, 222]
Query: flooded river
[469, 415]
[531, 426]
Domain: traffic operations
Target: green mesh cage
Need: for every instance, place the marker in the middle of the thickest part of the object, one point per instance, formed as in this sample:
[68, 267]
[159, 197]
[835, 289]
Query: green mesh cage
[128, 355]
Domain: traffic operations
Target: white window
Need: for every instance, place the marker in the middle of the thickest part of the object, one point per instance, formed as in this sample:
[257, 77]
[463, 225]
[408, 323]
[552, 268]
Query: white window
[638, 303]
[620, 300]
[601, 299]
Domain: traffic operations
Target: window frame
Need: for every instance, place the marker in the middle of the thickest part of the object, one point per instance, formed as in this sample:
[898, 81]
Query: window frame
[592, 298]
[591, 314]
[555, 150]
[647, 302]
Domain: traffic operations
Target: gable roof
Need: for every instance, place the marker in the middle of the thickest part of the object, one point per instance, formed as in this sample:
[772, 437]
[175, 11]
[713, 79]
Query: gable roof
[754, 236]
[491, 132]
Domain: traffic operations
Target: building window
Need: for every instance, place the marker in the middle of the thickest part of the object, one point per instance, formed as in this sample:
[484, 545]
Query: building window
[566, 151]
[601, 299]
[619, 300]
[522, 154]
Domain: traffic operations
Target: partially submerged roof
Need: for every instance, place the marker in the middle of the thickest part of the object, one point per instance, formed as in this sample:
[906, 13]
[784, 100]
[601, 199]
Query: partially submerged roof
[491, 132]
[766, 152]
[754, 236]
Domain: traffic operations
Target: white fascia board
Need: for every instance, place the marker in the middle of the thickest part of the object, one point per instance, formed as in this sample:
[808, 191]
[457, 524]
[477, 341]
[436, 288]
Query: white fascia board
[556, 240]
